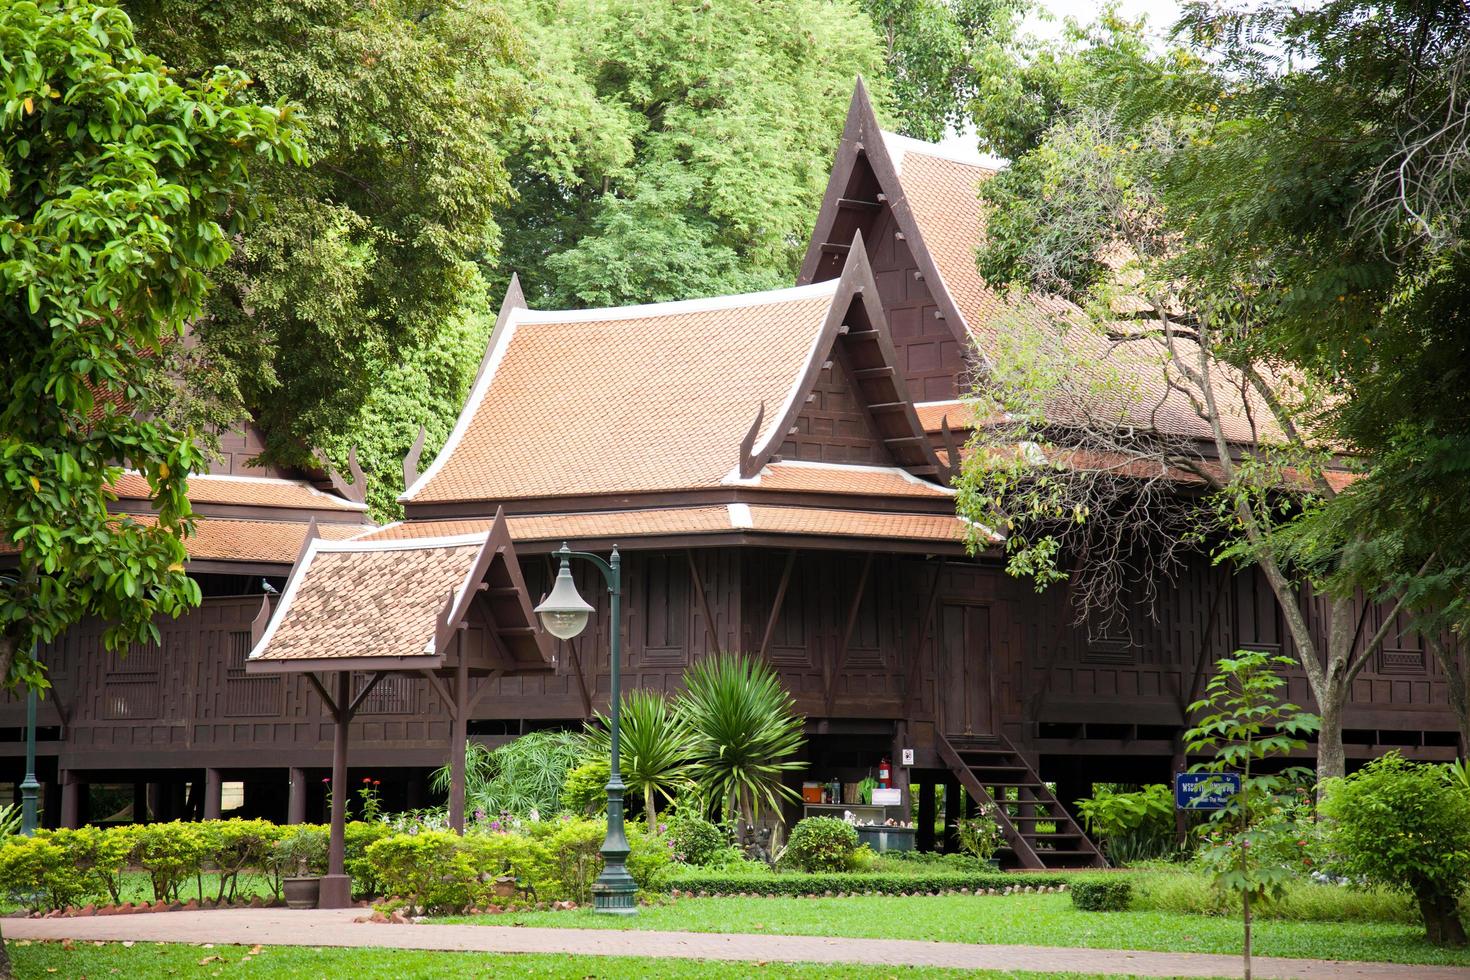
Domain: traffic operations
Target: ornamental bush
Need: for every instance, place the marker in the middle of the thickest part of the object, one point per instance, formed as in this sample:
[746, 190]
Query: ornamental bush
[100, 856]
[1406, 827]
[820, 844]
[38, 873]
[921, 880]
[1132, 826]
[172, 854]
[695, 840]
[1102, 894]
[359, 835]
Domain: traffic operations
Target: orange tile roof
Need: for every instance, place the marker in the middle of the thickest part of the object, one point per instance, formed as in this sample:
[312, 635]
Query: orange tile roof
[811, 477]
[227, 539]
[714, 519]
[943, 195]
[932, 416]
[626, 400]
[249, 491]
[357, 599]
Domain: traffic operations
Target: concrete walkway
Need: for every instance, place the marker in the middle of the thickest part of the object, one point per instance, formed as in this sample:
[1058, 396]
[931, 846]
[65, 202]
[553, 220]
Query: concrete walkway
[282, 927]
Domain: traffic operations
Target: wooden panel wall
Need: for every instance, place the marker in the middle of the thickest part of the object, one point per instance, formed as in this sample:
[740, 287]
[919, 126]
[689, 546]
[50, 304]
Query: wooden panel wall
[931, 358]
[835, 426]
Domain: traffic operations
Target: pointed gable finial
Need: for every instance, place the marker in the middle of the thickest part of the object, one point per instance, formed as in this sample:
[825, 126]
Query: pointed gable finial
[857, 257]
[261, 621]
[514, 300]
[411, 459]
[748, 468]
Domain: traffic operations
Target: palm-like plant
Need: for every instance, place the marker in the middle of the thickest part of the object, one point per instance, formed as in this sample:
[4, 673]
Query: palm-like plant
[746, 730]
[520, 776]
[655, 746]
[9, 820]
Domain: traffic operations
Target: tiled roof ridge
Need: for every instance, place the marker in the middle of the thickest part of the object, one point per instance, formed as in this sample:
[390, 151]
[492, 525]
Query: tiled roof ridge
[649, 311]
[897, 145]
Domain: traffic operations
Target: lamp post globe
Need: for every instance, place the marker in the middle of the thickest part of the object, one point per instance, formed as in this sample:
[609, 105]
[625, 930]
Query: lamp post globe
[564, 613]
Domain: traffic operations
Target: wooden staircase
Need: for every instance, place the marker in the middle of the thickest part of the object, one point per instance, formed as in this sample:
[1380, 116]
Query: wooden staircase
[1041, 833]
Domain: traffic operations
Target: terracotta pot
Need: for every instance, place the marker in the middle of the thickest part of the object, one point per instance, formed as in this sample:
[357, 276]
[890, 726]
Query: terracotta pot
[505, 887]
[301, 893]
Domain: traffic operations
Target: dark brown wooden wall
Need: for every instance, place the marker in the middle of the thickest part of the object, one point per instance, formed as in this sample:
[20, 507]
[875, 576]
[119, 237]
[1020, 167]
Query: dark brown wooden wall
[928, 352]
[887, 651]
[835, 427]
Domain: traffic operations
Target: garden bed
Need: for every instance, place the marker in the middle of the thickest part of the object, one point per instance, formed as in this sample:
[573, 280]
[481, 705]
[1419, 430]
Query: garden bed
[920, 881]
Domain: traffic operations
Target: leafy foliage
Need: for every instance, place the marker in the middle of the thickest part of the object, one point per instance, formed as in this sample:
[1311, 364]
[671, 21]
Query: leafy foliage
[1131, 826]
[746, 731]
[522, 775]
[1403, 826]
[921, 880]
[695, 840]
[1241, 721]
[120, 188]
[406, 113]
[979, 836]
[819, 845]
[656, 748]
[585, 791]
[1107, 895]
[676, 149]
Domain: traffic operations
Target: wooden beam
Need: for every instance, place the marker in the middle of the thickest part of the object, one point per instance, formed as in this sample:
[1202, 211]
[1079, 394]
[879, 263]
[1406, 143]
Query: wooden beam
[321, 691]
[862, 374]
[441, 690]
[776, 604]
[709, 616]
[857, 204]
[833, 248]
[487, 684]
[852, 614]
[362, 695]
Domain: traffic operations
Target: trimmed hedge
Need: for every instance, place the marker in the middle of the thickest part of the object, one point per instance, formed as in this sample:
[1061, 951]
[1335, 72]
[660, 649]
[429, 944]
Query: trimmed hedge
[920, 880]
[1103, 894]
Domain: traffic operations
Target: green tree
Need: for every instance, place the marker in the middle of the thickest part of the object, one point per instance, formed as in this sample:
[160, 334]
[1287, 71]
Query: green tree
[934, 51]
[676, 149]
[746, 730]
[373, 255]
[120, 187]
[1243, 723]
[655, 749]
[1405, 826]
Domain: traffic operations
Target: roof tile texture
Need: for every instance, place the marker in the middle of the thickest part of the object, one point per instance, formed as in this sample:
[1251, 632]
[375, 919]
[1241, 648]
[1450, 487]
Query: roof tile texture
[656, 402]
[253, 492]
[368, 603]
[943, 195]
[226, 539]
[836, 478]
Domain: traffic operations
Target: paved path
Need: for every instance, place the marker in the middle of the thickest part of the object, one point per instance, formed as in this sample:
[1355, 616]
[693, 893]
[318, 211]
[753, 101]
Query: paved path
[282, 927]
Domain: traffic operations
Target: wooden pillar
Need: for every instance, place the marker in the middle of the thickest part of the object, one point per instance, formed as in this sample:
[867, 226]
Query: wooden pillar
[336, 887]
[924, 833]
[71, 800]
[296, 795]
[900, 772]
[458, 733]
[213, 793]
[954, 796]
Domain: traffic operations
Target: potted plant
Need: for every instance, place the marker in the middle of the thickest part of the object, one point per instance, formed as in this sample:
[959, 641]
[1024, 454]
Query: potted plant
[302, 854]
[980, 835]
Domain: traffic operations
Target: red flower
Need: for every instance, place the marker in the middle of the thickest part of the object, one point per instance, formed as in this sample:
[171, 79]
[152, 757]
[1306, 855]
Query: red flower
[325, 781]
[377, 782]
[366, 780]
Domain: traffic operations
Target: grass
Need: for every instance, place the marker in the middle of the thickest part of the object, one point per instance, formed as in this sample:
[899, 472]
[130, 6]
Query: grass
[1041, 920]
[95, 960]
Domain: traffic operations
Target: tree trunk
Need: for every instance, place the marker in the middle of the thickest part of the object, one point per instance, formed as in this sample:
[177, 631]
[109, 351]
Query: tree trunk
[1245, 900]
[1442, 925]
[1331, 762]
[650, 810]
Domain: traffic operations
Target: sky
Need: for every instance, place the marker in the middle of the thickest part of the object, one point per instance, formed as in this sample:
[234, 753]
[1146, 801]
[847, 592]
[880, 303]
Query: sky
[1161, 15]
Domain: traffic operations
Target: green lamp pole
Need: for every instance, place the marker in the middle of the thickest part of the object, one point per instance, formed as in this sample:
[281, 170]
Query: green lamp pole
[29, 788]
[564, 614]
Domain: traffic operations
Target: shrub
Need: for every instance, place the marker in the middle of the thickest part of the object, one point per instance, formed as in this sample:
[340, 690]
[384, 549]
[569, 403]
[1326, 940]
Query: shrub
[979, 836]
[905, 861]
[695, 840]
[575, 850]
[171, 853]
[1301, 901]
[585, 791]
[820, 844]
[1133, 826]
[99, 855]
[921, 880]
[1103, 894]
[431, 870]
[359, 835]
[649, 855]
[861, 860]
[234, 846]
[1404, 826]
[39, 873]
[522, 776]
[302, 848]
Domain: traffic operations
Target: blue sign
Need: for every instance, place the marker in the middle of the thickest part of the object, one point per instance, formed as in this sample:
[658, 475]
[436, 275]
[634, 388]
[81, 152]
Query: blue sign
[1205, 790]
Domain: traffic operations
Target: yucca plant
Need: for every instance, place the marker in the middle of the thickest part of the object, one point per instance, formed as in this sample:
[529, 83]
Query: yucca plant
[9, 820]
[746, 731]
[655, 747]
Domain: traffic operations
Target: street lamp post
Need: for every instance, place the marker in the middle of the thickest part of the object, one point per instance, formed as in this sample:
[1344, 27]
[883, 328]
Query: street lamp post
[29, 787]
[564, 614]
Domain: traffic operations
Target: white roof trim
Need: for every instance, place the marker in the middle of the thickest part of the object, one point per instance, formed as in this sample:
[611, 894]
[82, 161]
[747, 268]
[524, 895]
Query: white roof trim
[741, 517]
[292, 586]
[707, 304]
[777, 420]
[280, 481]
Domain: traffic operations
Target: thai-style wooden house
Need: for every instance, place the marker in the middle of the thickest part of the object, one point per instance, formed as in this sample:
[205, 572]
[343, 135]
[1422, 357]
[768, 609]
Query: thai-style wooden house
[774, 468]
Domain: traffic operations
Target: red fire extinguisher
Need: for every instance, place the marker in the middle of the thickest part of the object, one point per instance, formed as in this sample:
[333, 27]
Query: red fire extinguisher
[884, 769]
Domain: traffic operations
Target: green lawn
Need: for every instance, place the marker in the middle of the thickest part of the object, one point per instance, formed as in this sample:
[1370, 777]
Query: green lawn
[94, 961]
[1042, 920]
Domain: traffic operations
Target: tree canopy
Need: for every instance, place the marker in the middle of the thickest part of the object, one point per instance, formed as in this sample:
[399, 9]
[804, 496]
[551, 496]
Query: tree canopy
[121, 186]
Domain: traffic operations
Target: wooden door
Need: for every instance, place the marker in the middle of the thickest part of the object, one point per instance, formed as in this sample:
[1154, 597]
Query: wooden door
[964, 670]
